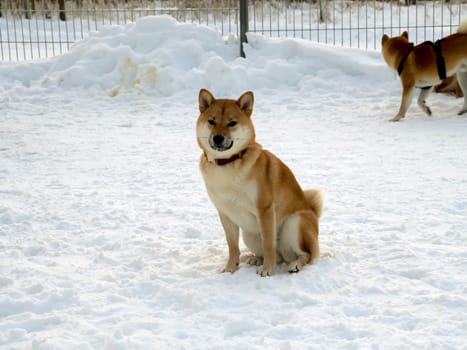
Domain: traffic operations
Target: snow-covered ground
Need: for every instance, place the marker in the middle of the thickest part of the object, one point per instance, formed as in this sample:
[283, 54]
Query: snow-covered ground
[108, 239]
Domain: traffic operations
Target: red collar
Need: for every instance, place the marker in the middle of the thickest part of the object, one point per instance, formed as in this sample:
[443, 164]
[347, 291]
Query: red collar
[224, 161]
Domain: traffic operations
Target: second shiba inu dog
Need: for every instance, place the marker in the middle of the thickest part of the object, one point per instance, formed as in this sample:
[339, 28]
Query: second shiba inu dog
[253, 190]
[426, 64]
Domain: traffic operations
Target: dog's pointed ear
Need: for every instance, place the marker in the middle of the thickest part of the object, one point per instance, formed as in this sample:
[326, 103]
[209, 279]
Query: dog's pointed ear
[246, 102]
[405, 35]
[205, 99]
[384, 39]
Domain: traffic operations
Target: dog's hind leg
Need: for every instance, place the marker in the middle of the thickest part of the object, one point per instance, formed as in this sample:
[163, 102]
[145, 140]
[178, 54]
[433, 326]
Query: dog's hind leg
[424, 92]
[298, 240]
[462, 79]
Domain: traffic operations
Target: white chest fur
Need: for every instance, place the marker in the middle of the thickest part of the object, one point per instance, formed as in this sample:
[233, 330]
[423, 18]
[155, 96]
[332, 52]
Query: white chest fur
[233, 194]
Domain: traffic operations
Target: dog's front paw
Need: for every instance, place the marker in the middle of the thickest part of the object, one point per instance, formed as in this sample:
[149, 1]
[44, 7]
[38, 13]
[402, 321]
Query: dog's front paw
[254, 260]
[264, 271]
[396, 118]
[462, 111]
[231, 267]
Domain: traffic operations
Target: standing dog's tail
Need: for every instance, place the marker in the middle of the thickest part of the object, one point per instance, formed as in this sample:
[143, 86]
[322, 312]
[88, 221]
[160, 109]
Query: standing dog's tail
[314, 197]
[462, 29]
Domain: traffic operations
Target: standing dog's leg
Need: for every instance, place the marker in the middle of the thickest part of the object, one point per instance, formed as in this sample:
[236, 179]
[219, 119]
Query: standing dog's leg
[462, 79]
[424, 92]
[231, 234]
[407, 95]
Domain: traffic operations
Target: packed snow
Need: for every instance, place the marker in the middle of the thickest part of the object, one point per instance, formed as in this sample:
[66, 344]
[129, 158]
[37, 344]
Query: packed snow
[109, 241]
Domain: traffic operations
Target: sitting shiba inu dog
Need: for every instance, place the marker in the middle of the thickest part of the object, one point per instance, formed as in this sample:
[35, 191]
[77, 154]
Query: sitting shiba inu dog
[253, 190]
[427, 64]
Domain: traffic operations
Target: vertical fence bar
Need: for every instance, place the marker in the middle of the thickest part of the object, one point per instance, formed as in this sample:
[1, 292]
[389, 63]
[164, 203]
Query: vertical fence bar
[23, 41]
[342, 22]
[270, 18]
[243, 24]
[1, 45]
[15, 36]
[301, 18]
[325, 19]
[442, 17]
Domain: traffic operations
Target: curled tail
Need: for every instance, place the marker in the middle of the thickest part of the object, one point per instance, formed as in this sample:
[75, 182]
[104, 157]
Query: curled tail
[462, 29]
[314, 197]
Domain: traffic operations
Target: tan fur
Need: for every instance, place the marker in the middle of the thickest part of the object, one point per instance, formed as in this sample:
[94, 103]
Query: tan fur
[256, 192]
[451, 86]
[420, 69]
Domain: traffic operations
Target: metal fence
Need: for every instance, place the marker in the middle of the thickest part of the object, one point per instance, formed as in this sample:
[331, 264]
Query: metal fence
[31, 29]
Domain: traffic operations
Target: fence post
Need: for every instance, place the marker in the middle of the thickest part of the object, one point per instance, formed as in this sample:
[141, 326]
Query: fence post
[61, 10]
[243, 24]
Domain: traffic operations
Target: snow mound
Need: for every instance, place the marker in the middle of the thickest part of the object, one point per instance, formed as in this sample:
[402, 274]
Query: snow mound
[159, 56]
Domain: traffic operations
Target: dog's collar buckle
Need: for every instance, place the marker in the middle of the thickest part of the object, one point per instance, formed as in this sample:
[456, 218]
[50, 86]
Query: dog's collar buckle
[225, 161]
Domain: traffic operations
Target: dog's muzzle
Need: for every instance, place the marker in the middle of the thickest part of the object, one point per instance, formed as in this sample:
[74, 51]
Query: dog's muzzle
[220, 143]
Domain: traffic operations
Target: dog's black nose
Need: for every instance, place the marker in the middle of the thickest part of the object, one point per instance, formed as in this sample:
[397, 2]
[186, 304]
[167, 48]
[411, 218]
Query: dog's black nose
[218, 139]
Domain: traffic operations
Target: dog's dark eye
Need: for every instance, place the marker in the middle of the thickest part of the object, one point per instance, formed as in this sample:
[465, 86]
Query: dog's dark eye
[232, 123]
[212, 122]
